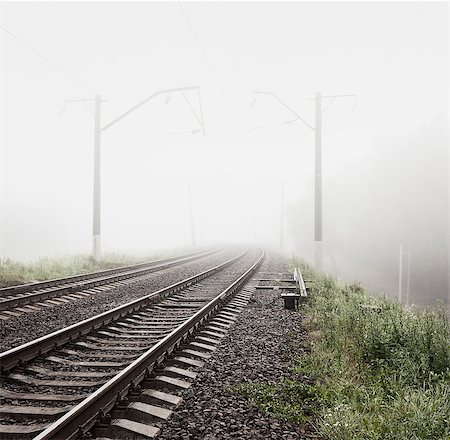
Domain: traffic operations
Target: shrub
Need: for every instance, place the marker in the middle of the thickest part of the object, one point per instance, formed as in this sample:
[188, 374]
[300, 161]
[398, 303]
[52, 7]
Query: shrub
[380, 372]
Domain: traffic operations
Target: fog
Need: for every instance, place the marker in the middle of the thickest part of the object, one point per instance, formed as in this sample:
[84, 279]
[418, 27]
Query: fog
[245, 161]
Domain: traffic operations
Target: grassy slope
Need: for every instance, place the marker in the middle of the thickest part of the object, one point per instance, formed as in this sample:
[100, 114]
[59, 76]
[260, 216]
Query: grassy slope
[14, 272]
[371, 373]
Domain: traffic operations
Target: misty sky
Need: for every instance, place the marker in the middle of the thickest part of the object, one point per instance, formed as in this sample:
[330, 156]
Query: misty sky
[392, 55]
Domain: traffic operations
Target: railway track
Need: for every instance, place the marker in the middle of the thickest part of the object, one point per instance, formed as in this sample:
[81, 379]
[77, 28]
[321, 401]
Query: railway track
[62, 385]
[27, 298]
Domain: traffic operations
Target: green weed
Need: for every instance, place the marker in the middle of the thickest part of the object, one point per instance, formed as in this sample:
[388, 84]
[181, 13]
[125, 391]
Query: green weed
[15, 272]
[380, 372]
[290, 400]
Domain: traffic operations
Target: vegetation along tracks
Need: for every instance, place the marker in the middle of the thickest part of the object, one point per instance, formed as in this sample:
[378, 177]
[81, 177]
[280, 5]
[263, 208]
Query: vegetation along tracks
[28, 297]
[70, 379]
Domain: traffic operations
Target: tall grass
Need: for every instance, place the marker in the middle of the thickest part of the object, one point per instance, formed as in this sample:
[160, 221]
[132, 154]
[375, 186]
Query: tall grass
[372, 370]
[383, 371]
[15, 272]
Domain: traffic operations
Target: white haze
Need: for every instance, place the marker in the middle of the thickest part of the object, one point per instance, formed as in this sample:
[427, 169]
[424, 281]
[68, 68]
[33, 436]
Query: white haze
[392, 55]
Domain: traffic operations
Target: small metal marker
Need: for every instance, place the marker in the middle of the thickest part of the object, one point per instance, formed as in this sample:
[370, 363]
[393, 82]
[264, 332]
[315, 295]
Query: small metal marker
[298, 278]
[292, 300]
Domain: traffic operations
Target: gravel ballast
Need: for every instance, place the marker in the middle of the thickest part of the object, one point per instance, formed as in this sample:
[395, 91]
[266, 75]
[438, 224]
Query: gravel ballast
[259, 347]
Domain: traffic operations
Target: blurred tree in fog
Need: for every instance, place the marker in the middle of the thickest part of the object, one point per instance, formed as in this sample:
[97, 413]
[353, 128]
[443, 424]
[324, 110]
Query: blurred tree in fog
[396, 195]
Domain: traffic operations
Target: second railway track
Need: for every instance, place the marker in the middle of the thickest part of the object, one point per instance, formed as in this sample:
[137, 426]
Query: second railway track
[20, 299]
[54, 375]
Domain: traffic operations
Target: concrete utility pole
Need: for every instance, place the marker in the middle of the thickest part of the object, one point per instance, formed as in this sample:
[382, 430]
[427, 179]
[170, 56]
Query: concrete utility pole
[318, 236]
[254, 221]
[402, 255]
[96, 219]
[282, 218]
[408, 275]
[400, 274]
[318, 184]
[96, 231]
[191, 214]
[318, 171]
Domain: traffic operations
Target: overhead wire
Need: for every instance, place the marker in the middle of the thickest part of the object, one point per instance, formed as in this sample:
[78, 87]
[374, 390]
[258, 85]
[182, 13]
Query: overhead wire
[87, 39]
[207, 59]
[63, 17]
[192, 108]
[45, 58]
[329, 103]
[403, 31]
[236, 67]
[202, 49]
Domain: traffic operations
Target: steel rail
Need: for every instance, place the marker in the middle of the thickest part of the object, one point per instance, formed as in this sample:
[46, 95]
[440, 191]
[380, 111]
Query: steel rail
[82, 284]
[20, 288]
[29, 350]
[82, 417]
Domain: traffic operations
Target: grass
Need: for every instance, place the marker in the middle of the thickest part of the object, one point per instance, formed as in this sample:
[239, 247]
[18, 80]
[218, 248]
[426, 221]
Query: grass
[290, 400]
[380, 372]
[16, 272]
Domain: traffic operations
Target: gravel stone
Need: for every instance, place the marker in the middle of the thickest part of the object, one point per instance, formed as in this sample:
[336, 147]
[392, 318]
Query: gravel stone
[259, 347]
